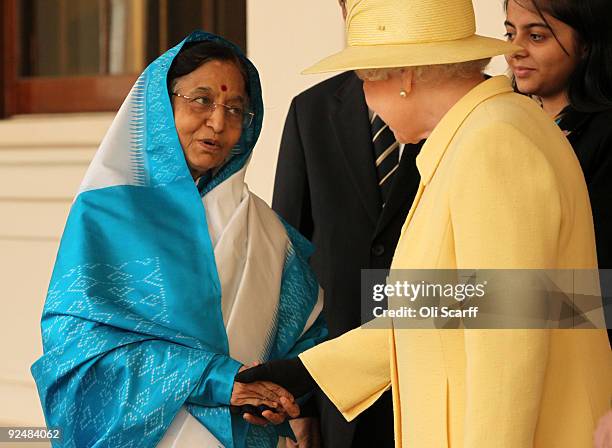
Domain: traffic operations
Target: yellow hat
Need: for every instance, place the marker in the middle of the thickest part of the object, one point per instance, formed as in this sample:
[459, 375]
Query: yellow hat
[405, 33]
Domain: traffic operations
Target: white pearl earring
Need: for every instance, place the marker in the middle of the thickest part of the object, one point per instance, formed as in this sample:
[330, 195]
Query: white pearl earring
[403, 93]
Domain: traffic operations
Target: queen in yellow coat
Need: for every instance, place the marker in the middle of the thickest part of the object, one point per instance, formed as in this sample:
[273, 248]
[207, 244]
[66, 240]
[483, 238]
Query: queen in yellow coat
[500, 188]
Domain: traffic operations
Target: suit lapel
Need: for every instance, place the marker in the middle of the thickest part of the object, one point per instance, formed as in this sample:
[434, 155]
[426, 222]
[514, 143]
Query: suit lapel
[352, 127]
[405, 185]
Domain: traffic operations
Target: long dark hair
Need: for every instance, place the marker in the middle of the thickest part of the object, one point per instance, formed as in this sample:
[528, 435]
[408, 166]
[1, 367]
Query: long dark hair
[590, 85]
[194, 54]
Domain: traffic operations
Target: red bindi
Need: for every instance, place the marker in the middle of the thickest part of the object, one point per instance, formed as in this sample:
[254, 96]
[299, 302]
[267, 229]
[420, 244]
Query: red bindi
[223, 87]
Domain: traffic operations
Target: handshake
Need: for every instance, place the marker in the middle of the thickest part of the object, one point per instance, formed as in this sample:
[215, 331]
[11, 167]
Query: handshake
[266, 393]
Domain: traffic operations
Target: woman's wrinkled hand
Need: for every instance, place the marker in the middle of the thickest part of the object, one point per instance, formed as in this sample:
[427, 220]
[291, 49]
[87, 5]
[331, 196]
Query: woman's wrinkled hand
[287, 409]
[257, 394]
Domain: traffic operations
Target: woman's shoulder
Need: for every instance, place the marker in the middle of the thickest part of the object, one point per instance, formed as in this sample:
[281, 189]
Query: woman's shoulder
[587, 123]
[515, 121]
[590, 132]
[277, 224]
[590, 135]
[602, 121]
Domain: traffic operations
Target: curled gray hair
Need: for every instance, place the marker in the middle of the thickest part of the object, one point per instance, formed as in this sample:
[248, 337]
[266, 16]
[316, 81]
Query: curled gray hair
[439, 71]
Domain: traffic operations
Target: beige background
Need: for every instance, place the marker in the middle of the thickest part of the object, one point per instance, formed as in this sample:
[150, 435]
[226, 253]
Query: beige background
[43, 158]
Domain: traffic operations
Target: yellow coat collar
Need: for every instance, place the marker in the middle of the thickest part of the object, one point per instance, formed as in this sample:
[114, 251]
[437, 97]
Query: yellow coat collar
[436, 144]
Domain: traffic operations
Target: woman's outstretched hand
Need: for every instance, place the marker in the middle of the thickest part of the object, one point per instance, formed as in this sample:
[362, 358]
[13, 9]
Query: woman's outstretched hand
[288, 373]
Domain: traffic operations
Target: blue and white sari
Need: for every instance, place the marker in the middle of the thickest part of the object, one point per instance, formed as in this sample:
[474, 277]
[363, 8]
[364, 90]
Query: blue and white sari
[161, 291]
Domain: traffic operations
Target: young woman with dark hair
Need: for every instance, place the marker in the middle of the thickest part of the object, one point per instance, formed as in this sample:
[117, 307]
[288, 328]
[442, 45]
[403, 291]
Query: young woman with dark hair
[567, 56]
[566, 63]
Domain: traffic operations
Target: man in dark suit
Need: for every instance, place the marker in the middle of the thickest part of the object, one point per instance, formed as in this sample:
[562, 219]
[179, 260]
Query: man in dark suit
[341, 181]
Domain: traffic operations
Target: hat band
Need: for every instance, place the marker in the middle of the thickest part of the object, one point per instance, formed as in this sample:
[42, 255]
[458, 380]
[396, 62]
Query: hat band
[374, 22]
[387, 42]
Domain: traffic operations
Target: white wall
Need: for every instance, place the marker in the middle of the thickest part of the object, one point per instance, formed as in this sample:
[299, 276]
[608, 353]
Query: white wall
[490, 22]
[42, 161]
[284, 38]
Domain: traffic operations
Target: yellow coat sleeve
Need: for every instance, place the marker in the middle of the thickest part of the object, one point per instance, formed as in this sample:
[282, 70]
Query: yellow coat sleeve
[505, 215]
[352, 370]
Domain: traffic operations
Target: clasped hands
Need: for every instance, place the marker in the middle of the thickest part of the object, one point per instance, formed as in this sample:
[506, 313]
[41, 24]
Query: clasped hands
[249, 398]
[273, 385]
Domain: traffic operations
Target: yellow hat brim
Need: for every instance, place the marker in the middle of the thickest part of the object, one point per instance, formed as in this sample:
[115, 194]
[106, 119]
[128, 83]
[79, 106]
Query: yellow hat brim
[410, 55]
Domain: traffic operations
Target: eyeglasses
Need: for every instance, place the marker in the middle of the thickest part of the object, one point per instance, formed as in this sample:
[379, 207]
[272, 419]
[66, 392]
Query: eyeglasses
[236, 116]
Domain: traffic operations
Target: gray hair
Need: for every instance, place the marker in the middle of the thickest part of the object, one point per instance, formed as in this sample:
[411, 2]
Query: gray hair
[439, 71]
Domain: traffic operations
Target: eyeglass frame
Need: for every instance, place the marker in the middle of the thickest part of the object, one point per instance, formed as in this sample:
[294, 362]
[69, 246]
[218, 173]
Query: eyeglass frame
[247, 119]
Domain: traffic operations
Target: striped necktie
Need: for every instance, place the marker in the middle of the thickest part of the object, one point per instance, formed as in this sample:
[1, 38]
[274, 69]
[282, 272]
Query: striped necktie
[386, 153]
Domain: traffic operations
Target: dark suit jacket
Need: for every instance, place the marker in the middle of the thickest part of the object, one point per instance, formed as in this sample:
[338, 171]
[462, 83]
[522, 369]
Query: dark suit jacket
[326, 186]
[591, 137]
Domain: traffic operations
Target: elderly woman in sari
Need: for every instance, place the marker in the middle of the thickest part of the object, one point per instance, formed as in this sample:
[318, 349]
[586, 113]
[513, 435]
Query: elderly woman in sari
[500, 188]
[171, 274]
